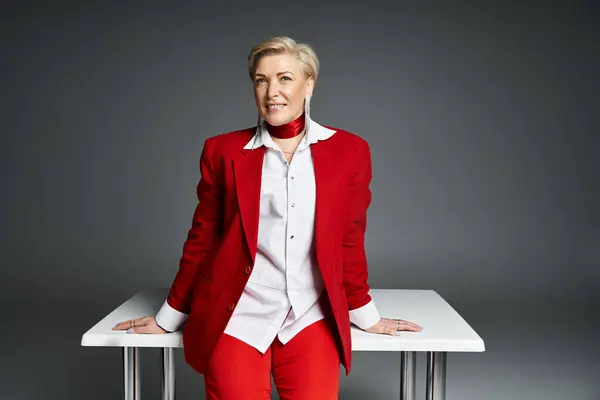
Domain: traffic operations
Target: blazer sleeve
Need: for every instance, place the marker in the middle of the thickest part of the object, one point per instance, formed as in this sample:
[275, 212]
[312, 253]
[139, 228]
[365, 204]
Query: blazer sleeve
[355, 272]
[201, 237]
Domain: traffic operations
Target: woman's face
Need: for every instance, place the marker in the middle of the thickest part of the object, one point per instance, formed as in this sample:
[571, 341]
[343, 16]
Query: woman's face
[280, 88]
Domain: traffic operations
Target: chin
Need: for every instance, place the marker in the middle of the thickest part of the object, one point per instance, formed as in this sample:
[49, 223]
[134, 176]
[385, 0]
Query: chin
[277, 120]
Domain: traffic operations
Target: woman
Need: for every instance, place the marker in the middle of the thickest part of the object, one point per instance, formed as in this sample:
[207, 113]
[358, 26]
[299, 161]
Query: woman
[274, 268]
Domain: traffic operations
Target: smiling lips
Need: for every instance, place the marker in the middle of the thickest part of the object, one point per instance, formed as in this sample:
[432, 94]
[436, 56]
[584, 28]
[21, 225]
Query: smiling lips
[275, 107]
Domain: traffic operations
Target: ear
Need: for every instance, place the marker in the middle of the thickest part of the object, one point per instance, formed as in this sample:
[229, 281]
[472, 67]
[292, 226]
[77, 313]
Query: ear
[310, 86]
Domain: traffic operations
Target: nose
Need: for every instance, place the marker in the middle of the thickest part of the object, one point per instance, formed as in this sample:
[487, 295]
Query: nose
[272, 90]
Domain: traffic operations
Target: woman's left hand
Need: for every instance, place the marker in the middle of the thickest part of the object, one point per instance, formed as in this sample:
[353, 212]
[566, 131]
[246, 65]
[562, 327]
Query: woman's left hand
[393, 327]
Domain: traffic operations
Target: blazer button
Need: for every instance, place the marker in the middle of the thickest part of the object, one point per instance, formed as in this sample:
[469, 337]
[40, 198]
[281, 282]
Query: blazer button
[248, 269]
[231, 306]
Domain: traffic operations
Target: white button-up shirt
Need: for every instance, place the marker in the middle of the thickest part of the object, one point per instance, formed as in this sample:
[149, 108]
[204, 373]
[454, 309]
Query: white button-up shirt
[280, 298]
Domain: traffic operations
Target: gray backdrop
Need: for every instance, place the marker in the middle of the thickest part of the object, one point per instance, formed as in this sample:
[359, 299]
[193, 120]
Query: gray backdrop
[482, 121]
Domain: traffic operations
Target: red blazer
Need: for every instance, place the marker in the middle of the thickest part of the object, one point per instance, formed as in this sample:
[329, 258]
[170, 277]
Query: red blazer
[219, 252]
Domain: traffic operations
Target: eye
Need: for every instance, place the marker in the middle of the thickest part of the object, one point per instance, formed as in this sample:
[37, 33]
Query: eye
[259, 80]
[286, 78]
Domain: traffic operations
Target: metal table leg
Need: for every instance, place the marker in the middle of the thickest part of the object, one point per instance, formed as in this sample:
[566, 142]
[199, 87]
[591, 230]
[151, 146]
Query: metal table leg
[168, 373]
[408, 363]
[436, 375]
[131, 373]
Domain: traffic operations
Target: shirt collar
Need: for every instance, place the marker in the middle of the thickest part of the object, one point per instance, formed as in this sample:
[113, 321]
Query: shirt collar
[316, 132]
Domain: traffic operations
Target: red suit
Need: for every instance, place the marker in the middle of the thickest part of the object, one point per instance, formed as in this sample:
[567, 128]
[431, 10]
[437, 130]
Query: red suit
[219, 252]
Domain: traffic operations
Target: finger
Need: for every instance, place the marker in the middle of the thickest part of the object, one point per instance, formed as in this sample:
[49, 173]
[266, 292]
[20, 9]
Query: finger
[413, 324]
[403, 321]
[147, 329]
[393, 329]
[403, 324]
[122, 325]
[406, 327]
[130, 324]
[384, 328]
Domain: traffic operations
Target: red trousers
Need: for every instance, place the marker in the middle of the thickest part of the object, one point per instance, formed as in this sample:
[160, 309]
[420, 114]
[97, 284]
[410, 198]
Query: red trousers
[305, 368]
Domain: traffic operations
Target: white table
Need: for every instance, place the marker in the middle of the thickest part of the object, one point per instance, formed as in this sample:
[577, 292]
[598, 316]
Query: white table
[444, 330]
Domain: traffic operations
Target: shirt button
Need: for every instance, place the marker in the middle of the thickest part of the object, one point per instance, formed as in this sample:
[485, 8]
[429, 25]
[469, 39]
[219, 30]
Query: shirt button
[231, 306]
[291, 237]
[293, 204]
[292, 177]
[248, 269]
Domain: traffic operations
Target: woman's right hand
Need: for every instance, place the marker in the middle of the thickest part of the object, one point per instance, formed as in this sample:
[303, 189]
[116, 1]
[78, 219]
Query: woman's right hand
[140, 325]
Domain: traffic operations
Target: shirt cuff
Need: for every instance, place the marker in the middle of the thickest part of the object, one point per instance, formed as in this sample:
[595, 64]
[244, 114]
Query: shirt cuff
[366, 316]
[169, 318]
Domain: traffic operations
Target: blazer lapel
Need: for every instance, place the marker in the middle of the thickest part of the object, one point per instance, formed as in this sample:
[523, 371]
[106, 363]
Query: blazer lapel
[248, 176]
[326, 185]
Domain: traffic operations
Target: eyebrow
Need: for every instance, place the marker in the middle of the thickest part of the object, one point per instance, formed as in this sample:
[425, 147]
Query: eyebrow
[279, 73]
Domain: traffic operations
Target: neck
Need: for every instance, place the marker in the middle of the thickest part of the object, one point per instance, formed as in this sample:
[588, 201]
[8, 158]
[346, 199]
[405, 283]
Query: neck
[289, 130]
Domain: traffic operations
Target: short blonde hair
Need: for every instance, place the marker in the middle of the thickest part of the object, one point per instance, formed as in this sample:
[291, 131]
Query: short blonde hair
[281, 45]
